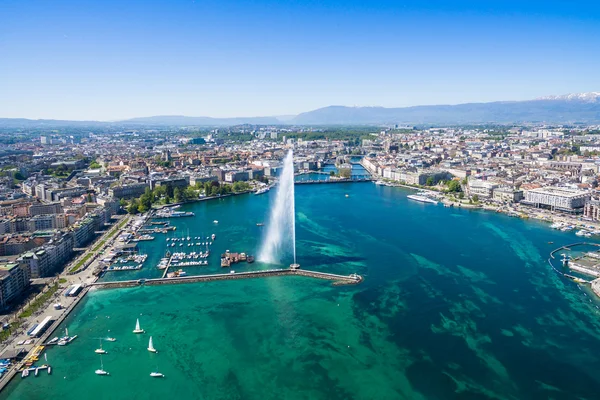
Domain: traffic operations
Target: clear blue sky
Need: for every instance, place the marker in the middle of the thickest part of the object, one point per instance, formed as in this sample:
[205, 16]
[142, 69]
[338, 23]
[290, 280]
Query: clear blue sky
[110, 60]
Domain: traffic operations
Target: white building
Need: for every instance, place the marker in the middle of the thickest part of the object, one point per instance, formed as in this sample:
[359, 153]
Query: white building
[557, 198]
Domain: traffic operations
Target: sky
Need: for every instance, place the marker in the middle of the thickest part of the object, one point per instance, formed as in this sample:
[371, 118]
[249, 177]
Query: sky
[112, 60]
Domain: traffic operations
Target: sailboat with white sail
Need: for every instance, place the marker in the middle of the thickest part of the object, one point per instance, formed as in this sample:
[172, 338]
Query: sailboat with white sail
[137, 327]
[151, 346]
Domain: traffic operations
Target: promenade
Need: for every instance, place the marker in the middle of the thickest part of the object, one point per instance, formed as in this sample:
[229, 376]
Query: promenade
[83, 276]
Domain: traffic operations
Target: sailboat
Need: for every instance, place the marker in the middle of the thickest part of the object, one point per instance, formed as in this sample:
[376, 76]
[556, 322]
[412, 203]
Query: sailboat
[100, 350]
[151, 346]
[137, 327]
[101, 371]
[156, 374]
[49, 370]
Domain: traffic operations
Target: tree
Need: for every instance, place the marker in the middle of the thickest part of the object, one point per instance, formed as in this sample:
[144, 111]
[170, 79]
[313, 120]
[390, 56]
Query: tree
[454, 186]
[430, 181]
[332, 173]
[345, 172]
[89, 198]
[133, 207]
[190, 193]
[475, 198]
[178, 196]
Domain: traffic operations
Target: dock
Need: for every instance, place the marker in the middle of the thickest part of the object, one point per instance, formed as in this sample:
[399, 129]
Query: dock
[337, 279]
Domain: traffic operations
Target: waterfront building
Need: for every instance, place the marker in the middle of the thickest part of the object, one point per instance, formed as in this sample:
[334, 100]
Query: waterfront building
[482, 189]
[592, 209]
[557, 198]
[506, 194]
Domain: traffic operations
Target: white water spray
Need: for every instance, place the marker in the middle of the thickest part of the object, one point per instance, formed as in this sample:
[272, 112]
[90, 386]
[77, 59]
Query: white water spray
[281, 231]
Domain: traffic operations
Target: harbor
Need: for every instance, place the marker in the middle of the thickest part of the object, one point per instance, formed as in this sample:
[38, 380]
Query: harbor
[321, 306]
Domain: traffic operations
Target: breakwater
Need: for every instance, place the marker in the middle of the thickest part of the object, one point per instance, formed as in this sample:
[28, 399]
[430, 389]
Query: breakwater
[337, 279]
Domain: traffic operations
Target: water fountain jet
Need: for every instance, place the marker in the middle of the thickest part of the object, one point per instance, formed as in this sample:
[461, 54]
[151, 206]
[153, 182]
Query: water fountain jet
[280, 238]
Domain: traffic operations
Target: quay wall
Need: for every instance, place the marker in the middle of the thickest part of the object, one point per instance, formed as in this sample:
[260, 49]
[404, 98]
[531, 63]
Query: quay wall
[6, 378]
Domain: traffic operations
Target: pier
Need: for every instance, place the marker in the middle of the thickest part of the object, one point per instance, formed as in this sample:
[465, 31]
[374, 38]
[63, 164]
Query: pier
[337, 279]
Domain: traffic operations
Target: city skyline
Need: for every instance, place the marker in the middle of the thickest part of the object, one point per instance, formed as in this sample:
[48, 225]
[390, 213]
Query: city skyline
[265, 58]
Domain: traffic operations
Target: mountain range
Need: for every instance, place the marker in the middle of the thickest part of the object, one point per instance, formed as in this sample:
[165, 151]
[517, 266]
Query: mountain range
[571, 108]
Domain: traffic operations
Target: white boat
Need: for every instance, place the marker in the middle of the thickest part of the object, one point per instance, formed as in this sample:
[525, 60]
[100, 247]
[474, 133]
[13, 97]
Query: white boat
[380, 183]
[100, 350]
[137, 327]
[25, 373]
[111, 339]
[101, 371]
[263, 190]
[213, 236]
[215, 222]
[422, 199]
[151, 346]
[156, 375]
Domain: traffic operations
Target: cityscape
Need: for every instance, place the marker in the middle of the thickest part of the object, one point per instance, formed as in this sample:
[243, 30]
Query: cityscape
[299, 200]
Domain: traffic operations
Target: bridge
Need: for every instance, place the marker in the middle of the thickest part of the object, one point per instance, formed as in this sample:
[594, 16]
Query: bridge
[343, 180]
[352, 279]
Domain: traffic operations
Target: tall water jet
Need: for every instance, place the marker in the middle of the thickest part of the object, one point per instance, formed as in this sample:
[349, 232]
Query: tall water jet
[280, 239]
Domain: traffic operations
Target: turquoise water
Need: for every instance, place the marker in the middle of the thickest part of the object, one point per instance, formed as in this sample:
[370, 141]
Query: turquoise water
[456, 304]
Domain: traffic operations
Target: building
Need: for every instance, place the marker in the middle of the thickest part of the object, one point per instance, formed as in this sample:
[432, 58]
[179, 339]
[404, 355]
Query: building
[236, 176]
[482, 189]
[128, 191]
[39, 209]
[557, 198]
[14, 281]
[172, 182]
[505, 194]
[592, 209]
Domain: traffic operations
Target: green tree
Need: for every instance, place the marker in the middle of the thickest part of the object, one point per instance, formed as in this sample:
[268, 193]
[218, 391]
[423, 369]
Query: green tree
[475, 198]
[133, 207]
[178, 195]
[190, 193]
[345, 172]
[430, 181]
[454, 186]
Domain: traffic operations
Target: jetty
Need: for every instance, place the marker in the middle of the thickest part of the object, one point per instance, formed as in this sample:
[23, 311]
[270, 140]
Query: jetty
[352, 279]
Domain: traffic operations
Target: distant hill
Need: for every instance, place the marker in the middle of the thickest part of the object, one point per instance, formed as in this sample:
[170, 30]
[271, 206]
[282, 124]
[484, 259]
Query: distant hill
[583, 107]
[180, 120]
[579, 107]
